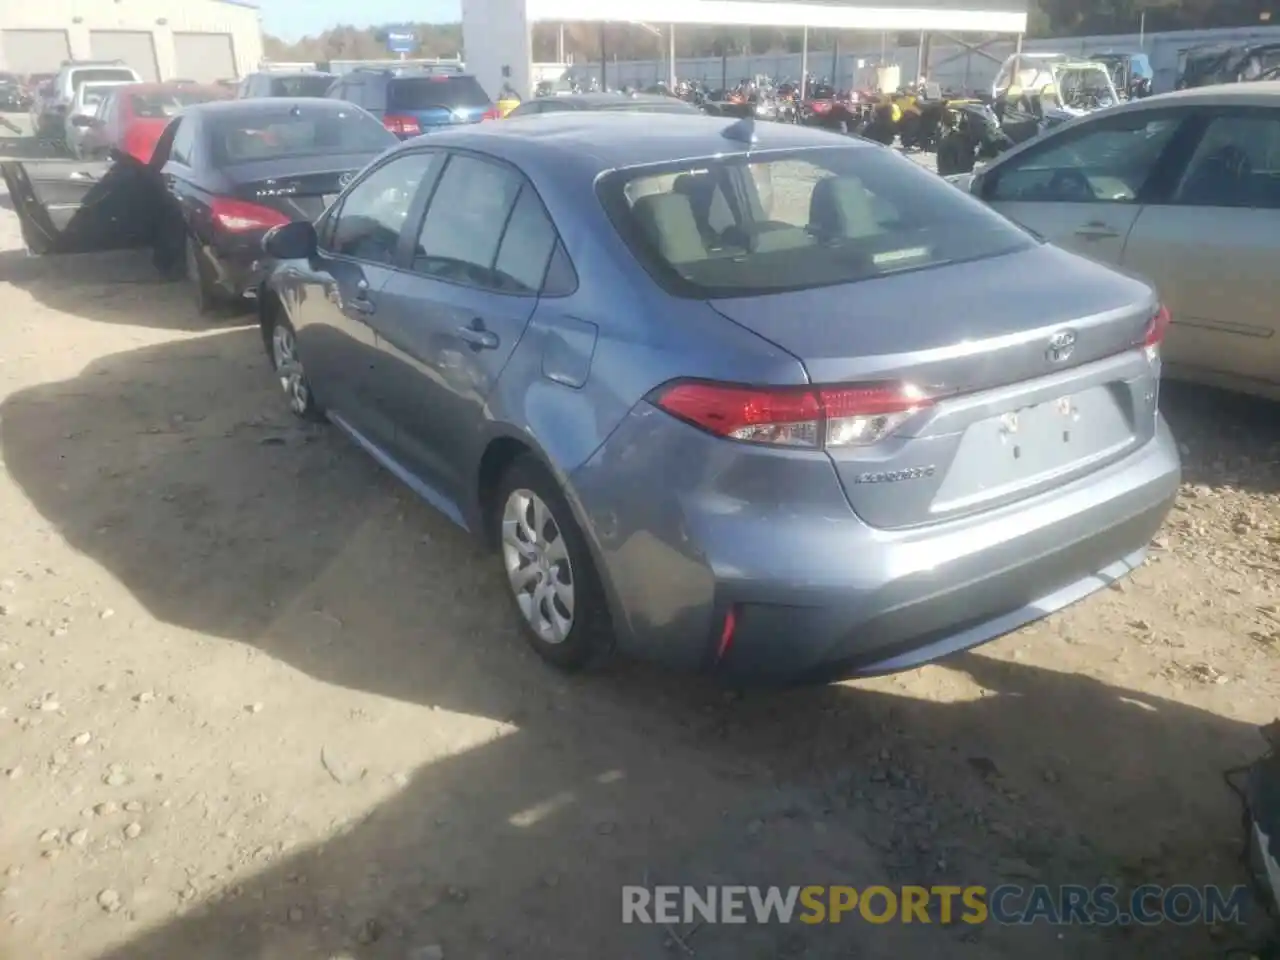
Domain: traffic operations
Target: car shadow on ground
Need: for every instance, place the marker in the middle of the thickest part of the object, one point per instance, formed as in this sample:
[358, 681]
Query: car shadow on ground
[114, 287]
[1228, 439]
[221, 515]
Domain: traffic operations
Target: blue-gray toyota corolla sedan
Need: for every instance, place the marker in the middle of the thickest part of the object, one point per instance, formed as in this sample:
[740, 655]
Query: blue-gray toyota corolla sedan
[753, 399]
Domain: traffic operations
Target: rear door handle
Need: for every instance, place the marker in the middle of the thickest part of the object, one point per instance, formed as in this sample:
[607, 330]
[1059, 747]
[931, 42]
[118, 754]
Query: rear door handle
[477, 336]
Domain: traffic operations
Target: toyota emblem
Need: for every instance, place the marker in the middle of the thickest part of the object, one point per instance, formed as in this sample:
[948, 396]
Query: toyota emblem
[1061, 345]
[345, 179]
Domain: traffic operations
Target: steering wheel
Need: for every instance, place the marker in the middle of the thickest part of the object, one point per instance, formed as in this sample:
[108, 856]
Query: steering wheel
[1070, 184]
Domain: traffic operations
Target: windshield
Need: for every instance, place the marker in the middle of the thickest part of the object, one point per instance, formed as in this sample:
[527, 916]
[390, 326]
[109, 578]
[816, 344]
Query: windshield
[1085, 88]
[163, 104]
[776, 221]
[446, 90]
[80, 77]
[298, 132]
[308, 86]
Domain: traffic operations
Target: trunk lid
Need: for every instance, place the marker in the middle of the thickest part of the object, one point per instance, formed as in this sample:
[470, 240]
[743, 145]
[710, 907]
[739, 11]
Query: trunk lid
[1033, 360]
[305, 191]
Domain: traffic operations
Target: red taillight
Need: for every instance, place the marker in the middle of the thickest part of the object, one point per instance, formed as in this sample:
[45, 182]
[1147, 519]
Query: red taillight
[1157, 327]
[726, 633]
[237, 216]
[838, 416]
[493, 113]
[402, 126]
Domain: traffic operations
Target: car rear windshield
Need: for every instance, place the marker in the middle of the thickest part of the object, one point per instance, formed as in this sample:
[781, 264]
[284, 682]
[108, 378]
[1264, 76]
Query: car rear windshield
[776, 221]
[256, 136]
[94, 93]
[300, 86]
[163, 104]
[80, 77]
[423, 93]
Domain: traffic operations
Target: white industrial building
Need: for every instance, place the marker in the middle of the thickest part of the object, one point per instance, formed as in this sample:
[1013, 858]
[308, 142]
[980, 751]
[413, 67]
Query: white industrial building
[201, 40]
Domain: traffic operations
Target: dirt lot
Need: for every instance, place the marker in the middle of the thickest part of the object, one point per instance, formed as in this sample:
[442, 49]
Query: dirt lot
[256, 701]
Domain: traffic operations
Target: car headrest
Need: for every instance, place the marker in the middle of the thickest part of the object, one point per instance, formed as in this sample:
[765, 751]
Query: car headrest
[668, 220]
[840, 208]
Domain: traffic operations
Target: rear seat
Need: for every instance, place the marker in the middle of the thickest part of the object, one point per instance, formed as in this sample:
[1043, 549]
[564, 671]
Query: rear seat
[669, 221]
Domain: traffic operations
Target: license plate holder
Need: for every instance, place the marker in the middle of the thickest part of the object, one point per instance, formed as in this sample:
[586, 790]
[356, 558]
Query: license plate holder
[1049, 424]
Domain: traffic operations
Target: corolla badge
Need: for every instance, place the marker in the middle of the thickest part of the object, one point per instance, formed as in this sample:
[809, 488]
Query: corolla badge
[1061, 345]
[345, 178]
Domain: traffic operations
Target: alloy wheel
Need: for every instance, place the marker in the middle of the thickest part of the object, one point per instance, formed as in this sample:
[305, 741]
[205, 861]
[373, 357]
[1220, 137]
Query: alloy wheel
[536, 559]
[284, 353]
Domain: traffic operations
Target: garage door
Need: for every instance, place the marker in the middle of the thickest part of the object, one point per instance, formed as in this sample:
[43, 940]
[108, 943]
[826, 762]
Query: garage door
[204, 56]
[136, 48]
[34, 51]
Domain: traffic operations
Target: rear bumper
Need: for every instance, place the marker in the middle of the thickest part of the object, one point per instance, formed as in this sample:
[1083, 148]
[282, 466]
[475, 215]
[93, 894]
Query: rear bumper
[816, 593]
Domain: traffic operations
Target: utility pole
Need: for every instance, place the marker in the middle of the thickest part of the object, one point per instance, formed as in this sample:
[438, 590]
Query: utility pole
[804, 64]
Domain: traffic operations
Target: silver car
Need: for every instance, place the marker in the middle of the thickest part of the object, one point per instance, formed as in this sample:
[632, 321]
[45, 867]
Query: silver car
[1184, 190]
[754, 399]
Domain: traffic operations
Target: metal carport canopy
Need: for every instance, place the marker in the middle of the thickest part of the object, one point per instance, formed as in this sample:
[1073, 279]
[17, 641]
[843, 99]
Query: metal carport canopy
[950, 16]
[497, 44]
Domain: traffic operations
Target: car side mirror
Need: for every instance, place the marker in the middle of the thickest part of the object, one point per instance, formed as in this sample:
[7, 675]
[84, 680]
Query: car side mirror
[83, 120]
[291, 241]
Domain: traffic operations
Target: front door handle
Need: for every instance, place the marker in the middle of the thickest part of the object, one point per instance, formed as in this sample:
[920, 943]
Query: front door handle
[477, 336]
[1096, 230]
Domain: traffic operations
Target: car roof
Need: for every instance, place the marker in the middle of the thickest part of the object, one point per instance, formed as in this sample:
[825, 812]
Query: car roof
[292, 74]
[588, 99]
[1264, 93]
[593, 142]
[160, 86]
[269, 105]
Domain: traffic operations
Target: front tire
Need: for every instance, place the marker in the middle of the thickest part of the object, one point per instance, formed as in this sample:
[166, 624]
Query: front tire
[282, 344]
[551, 577]
[206, 297]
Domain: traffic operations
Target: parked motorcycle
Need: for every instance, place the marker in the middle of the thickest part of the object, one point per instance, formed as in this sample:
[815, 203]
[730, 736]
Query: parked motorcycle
[920, 125]
[971, 132]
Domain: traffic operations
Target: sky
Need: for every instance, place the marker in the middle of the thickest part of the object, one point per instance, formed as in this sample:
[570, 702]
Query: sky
[292, 19]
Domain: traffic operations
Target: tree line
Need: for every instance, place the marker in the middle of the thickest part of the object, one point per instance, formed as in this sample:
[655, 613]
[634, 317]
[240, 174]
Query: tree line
[582, 41]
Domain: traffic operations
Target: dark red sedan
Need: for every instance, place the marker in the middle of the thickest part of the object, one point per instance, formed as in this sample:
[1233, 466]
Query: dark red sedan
[134, 115]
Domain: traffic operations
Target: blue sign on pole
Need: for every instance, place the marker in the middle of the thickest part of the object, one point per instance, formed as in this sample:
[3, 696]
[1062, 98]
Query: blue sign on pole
[402, 41]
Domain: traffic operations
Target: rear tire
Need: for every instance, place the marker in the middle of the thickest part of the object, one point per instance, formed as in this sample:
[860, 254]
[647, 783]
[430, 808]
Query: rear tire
[552, 581]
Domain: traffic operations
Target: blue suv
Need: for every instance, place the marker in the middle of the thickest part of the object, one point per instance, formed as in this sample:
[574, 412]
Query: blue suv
[414, 100]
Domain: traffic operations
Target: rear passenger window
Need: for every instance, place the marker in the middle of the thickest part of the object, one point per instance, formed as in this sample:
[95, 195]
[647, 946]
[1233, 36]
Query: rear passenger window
[1236, 164]
[526, 245]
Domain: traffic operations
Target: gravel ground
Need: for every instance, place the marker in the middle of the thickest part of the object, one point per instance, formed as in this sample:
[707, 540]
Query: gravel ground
[256, 701]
